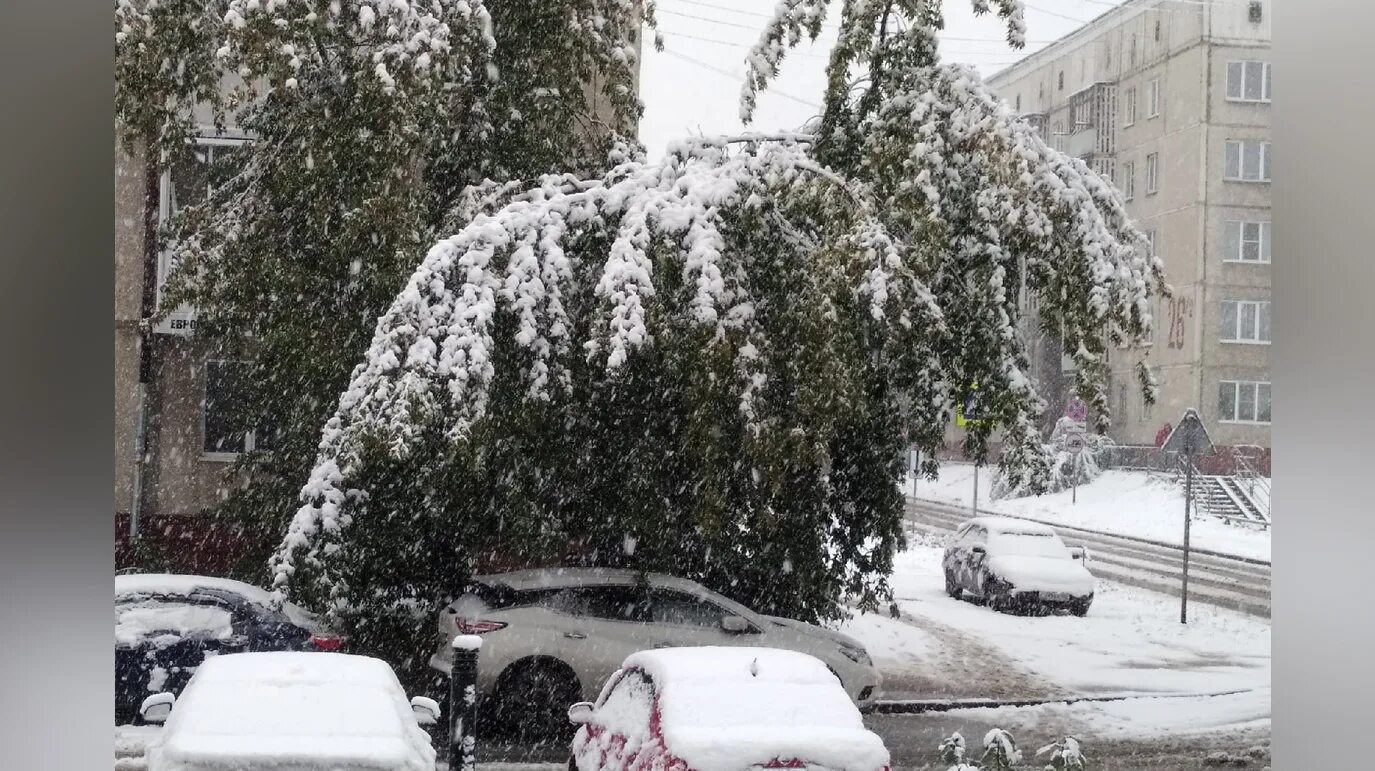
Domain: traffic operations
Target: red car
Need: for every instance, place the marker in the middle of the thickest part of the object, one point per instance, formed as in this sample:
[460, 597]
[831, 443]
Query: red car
[723, 709]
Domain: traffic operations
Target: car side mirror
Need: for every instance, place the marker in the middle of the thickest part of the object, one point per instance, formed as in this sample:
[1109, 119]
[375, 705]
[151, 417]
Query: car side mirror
[580, 713]
[426, 710]
[1079, 553]
[734, 625]
[156, 708]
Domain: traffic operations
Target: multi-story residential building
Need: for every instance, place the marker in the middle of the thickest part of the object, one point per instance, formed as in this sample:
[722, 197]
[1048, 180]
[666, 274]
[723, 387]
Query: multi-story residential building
[173, 419]
[1172, 101]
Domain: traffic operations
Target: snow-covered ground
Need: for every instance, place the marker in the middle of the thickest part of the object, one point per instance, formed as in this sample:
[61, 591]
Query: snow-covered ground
[1121, 502]
[1131, 642]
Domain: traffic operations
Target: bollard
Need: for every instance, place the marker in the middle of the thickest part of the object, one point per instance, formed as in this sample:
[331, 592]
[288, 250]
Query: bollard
[463, 703]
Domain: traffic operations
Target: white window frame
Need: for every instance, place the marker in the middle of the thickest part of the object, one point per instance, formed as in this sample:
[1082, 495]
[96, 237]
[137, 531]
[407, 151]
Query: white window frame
[1129, 109]
[1128, 180]
[250, 441]
[1235, 238]
[1241, 67]
[1152, 173]
[1262, 173]
[1255, 387]
[1237, 335]
[182, 321]
[1153, 98]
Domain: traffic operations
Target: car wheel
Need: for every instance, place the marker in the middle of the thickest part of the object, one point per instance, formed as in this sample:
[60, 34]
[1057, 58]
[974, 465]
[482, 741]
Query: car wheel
[532, 699]
[995, 595]
[1080, 608]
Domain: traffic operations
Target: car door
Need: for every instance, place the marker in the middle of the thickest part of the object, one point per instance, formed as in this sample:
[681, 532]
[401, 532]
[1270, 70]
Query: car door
[604, 625]
[966, 563]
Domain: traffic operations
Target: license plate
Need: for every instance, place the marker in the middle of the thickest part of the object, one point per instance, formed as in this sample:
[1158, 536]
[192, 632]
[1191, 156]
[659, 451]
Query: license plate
[1055, 596]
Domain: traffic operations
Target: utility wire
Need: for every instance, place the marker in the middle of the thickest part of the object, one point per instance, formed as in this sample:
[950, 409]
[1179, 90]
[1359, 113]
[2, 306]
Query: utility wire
[738, 77]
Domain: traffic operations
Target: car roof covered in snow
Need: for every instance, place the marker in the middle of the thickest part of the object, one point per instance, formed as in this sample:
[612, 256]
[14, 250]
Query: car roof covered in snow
[308, 710]
[728, 708]
[558, 578]
[179, 585]
[1012, 525]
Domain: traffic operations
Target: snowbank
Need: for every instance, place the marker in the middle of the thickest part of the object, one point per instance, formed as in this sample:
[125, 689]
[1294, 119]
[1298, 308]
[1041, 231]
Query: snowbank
[1120, 502]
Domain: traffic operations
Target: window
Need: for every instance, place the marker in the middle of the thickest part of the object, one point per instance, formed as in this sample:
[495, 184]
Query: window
[1083, 114]
[1245, 321]
[224, 395]
[1253, 12]
[1243, 402]
[1150, 241]
[1247, 242]
[1129, 105]
[668, 607]
[1019, 103]
[1131, 55]
[190, 178]
[1248, 160]
[1248, 81]
[1153, 98]
[1059, 137]
[626, 708]
[1152, 173]
[1157, 30]
[1129, 180]
[1061, 82]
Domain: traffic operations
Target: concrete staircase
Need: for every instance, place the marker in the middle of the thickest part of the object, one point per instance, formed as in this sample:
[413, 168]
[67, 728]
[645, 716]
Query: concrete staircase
[1225, 497]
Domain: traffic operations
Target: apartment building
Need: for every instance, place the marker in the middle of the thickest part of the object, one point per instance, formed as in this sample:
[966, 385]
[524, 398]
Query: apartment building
[175, 419]
[1172, 101]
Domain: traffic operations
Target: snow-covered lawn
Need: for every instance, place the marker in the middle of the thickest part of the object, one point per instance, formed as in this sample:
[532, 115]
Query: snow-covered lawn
[1131, 642]
[1122, 502]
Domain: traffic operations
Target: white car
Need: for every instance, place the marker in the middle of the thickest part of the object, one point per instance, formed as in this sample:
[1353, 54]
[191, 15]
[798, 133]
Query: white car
[732, 709]
[552, 637]
[1017, 565]
[291, 710]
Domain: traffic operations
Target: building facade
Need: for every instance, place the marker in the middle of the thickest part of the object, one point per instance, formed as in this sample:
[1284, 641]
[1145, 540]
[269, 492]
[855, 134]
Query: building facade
[1172, 102]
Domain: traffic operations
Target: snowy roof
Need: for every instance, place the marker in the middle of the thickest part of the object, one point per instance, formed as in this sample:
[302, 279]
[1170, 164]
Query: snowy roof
[309, 710]
[727, 708]
[554, 578]
[1012, 525]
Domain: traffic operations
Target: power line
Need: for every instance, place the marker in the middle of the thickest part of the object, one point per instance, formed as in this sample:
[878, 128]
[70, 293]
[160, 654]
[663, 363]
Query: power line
[950, 52]
[745, 13]
[738, 77]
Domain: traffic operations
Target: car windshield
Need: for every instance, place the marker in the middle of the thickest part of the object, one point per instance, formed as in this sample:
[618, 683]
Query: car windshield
[1028, 545]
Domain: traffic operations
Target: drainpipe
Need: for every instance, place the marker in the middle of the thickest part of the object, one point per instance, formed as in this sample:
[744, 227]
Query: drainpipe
[152, 210]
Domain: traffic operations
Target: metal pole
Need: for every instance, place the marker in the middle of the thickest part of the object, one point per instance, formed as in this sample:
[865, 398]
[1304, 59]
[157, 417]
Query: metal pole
[976, 489]
[463, 703]
[916, 466]
[1074, 493]
[1188, 498]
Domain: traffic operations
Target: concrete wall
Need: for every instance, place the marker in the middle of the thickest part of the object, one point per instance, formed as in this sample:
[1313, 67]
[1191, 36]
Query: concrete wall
[129, 192]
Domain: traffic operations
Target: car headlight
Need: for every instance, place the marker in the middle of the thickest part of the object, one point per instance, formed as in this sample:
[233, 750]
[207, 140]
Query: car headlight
[857, 655]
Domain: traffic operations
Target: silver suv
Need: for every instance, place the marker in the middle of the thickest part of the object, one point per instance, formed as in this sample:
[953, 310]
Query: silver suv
[552, 637]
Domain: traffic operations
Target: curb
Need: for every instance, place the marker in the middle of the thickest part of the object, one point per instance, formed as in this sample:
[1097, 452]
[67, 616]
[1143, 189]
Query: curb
[1131, 538]
[919, 706]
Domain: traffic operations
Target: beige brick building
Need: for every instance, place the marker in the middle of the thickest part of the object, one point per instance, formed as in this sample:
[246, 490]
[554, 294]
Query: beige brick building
[1172, 101]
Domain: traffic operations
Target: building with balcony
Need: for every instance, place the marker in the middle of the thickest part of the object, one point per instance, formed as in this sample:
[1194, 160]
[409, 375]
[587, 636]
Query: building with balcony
[1172, 101]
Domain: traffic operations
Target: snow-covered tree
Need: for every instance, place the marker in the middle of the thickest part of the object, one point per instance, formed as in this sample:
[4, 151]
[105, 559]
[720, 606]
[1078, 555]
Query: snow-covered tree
[719, 358]
[1065, 468]
[373, 121]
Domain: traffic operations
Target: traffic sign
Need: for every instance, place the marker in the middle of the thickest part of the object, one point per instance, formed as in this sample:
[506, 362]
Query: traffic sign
[971, 411]
[1189, 436]
[1076, 410]
[1074, 443]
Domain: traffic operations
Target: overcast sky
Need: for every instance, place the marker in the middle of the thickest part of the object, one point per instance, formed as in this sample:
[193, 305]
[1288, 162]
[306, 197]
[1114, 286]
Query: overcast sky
[693, 85]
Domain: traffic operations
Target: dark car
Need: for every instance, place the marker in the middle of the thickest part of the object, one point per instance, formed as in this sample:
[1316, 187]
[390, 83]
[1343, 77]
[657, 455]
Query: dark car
[166, 625]
[1017, 565]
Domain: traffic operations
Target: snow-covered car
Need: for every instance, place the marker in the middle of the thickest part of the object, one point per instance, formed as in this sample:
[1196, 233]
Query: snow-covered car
[1017, 565]
[723, 709]
[552, 636]
[165, 625]
[296, 711]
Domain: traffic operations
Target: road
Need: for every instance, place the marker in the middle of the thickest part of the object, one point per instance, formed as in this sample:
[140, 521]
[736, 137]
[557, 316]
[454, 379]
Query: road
[1227, 582]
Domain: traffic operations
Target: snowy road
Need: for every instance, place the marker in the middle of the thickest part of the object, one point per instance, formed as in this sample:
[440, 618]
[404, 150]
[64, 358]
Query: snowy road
[1228, 582]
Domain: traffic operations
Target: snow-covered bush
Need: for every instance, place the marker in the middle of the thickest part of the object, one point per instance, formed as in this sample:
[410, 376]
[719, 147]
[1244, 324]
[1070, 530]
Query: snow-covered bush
[1064, 755]
[1000, 751]
[1066, 468]
[952, 751]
